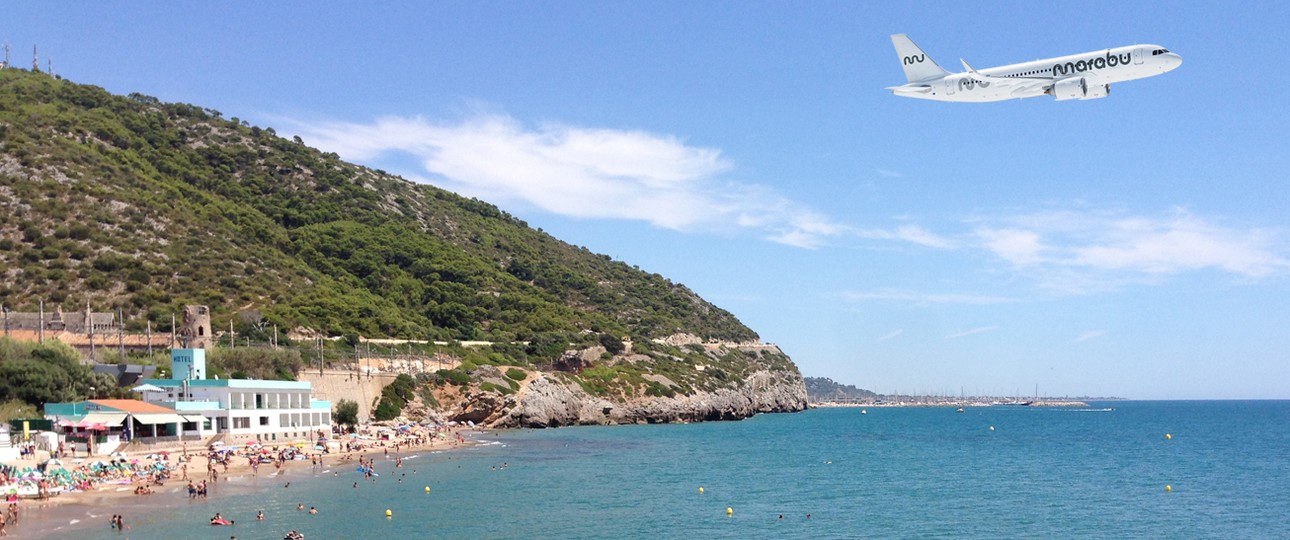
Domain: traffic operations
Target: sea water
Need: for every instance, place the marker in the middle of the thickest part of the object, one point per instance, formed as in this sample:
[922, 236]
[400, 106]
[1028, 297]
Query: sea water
[1103, 471]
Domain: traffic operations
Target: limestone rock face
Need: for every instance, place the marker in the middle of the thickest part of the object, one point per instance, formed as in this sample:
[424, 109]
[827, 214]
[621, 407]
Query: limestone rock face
[576, 361]
[550, 402]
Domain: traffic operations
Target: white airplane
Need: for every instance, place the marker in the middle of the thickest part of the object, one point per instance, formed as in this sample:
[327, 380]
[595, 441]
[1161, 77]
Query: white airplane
[1078, 76]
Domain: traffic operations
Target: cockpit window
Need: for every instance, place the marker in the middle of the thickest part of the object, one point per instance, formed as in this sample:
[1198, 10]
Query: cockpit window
[1158, 52]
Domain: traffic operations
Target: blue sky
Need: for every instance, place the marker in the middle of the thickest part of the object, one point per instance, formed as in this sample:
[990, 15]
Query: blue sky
[1136, 246]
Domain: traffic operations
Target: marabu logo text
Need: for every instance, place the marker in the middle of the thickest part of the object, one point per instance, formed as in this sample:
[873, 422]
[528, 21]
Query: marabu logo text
[971, 84]
[915, 59]
[1110, 60]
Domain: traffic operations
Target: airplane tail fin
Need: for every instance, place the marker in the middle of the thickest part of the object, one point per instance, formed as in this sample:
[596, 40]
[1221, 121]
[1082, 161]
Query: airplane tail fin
[918, 66]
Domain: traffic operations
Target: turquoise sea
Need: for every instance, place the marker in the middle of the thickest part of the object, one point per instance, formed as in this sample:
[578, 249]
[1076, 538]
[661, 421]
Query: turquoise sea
[1095, 472]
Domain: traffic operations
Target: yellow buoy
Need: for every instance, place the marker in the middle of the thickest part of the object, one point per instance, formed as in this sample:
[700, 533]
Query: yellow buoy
[1168, 488]
[388, 513]
[1168, 436]
[730, 511]
[700, 489]
[427, 489]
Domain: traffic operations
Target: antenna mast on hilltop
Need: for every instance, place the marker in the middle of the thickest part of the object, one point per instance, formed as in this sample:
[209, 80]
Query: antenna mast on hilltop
[35, 59]
[6, 55]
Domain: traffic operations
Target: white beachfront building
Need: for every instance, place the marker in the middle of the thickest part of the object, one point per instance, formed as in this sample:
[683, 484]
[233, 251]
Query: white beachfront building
[240, 409]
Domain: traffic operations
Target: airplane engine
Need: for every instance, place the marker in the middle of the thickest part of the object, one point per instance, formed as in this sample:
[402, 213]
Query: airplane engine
[1072, 88]
[1097, 91]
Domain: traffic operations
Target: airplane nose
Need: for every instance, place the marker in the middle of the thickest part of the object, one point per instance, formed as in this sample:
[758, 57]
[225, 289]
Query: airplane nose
[1174, 60]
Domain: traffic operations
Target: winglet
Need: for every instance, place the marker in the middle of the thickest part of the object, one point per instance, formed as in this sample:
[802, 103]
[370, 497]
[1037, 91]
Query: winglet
[967, 67]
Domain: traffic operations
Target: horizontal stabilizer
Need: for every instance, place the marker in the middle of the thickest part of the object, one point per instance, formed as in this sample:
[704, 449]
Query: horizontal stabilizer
[911, 89]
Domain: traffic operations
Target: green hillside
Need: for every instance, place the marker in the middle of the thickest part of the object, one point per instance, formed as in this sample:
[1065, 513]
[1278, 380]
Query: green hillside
[131, 203]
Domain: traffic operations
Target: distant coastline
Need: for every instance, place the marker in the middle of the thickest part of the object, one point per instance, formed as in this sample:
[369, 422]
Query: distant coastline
[824, 392]
[943, 402]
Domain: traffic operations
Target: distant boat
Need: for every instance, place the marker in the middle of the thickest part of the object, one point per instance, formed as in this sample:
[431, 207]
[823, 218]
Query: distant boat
[864, 411]
[960, 409]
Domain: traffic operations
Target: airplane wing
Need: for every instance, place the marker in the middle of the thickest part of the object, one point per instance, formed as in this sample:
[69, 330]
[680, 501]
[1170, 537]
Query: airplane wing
[1021, 86]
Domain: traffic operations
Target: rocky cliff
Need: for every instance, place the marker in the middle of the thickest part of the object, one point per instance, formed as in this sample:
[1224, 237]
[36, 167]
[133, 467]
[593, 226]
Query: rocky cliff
[560, 398]
[548, 402]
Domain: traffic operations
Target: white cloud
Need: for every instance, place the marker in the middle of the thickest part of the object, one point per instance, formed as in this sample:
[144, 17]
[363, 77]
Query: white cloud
[972, 331]
[1067, 252]
[580, 172]
[1018, 247]
[1081, 251]
[1180, 243]
[885, 173]
[909, 233]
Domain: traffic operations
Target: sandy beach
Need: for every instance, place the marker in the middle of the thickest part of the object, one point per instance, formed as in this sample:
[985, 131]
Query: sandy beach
[74, 510]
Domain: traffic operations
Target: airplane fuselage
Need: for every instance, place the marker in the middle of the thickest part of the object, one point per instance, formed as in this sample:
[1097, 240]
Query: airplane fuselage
[1077, 76]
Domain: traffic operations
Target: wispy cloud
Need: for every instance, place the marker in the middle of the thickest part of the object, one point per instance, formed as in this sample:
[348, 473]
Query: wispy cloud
[972, 331]
[580, 172]
[1091, 334]
[889, 336]
[915, 297]
[913, 234]
[1084, 251]
[1173, 243]
[885, 173]
[1177, 243]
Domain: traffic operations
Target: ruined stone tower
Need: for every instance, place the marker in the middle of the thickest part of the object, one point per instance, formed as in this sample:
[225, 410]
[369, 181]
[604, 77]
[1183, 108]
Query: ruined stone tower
[195, 332]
